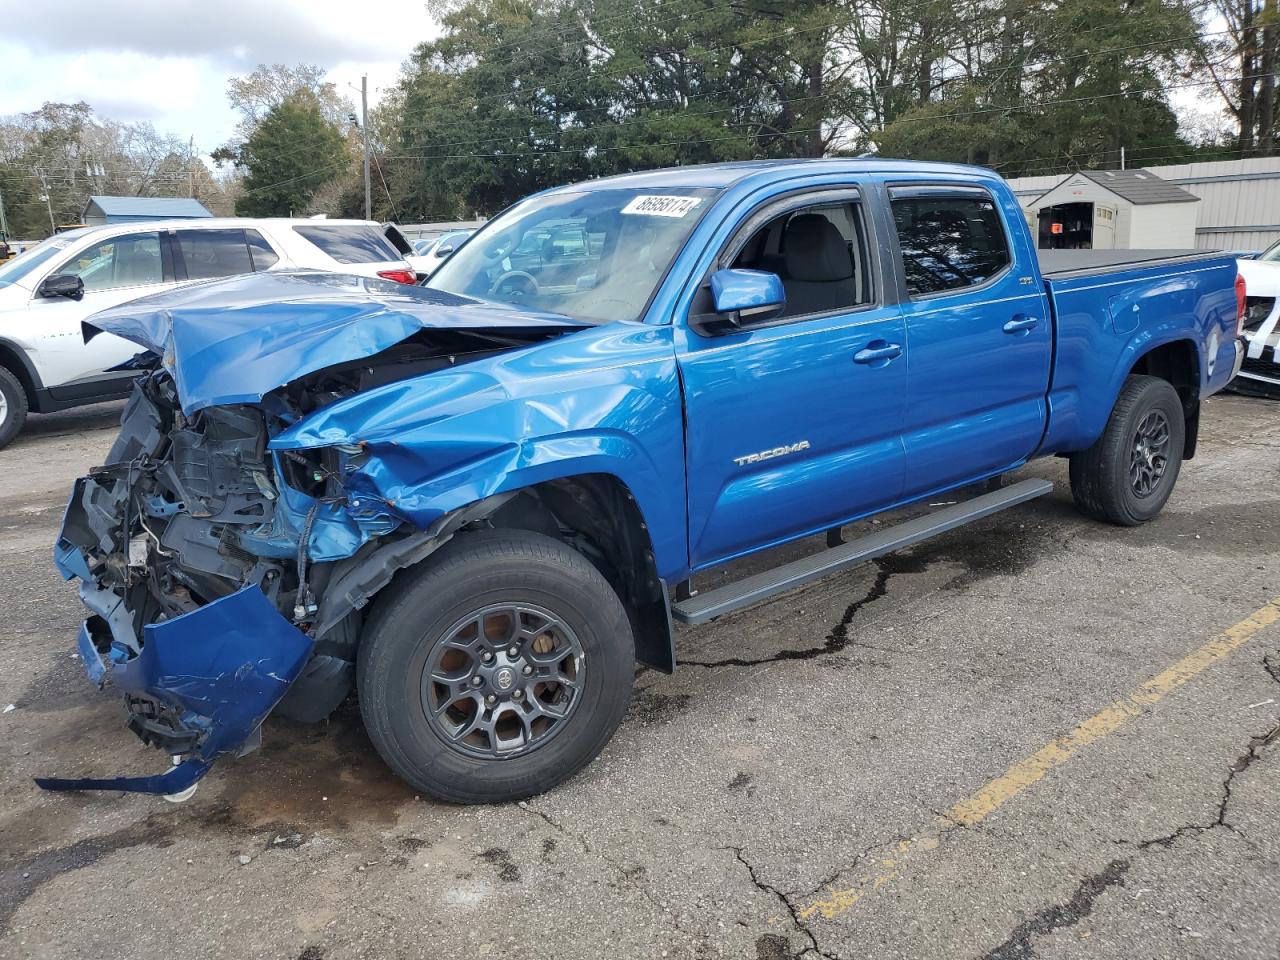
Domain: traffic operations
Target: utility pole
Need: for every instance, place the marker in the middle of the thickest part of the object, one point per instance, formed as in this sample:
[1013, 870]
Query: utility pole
[364, 129]
[191, 165]
[4, 224]
[1122, 158]
[48, 205]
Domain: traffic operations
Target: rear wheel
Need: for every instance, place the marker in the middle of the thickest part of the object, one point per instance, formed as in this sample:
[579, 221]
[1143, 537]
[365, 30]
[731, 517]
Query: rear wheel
[499, 669]
[1126, 477]
[13, 407]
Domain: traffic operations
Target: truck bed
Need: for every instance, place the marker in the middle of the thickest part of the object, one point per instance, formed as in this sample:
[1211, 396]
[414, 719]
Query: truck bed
[1109, 304]
[1064, 264]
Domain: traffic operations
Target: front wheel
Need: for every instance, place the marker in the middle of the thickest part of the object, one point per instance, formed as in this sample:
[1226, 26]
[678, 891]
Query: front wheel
[1126, 477]
[13, 407]
[498, 670]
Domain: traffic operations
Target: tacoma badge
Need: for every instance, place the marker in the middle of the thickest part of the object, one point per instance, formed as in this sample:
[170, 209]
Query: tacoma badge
[770, 454]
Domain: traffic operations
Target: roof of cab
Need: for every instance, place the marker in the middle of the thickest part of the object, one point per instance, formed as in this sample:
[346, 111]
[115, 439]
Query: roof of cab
[720, 175]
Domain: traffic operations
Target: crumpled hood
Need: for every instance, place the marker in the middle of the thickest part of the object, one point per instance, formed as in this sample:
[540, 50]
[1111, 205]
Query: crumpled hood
[235, 340]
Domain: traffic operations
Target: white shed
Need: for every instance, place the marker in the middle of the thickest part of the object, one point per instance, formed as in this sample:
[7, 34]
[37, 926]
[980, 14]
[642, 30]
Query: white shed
[1114, 209]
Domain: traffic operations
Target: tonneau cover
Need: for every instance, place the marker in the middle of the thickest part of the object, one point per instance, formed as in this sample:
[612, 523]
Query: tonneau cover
[1065, 263]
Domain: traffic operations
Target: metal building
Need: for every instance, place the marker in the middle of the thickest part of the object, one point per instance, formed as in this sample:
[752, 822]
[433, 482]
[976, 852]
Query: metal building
[101, 210]
[1239, 208]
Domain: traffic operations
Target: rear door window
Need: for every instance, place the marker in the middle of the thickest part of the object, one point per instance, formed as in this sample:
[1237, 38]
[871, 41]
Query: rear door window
[264, 258]
[948, 242]
[349, 243]
[209, 254]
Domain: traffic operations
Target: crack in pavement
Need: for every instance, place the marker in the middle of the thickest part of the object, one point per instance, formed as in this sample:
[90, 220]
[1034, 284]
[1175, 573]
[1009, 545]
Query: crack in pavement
[627, 875]
[1019, 945]
[1257, 744]
[836, 640]
[1272, 666]
[792, 911]
[885, 845]
[1253, 752]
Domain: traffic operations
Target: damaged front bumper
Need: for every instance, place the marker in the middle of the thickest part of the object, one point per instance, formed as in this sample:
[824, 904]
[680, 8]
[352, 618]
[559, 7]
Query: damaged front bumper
[199, 686]
[186, 546]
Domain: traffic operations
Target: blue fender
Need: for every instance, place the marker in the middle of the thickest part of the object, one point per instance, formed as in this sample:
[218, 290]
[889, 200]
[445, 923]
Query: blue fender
[1092, 360]
[605, 400]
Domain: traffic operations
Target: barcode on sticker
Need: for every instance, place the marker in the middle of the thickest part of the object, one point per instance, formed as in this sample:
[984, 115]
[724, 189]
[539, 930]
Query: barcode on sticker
[656, 206]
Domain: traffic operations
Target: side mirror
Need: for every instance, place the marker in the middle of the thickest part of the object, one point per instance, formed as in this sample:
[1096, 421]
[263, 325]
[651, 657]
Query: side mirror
[445, 252]
[743, 296]
[62, 285]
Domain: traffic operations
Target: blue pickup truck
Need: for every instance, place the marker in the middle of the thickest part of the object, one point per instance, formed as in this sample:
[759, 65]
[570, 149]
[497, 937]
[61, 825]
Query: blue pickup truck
[478, 503]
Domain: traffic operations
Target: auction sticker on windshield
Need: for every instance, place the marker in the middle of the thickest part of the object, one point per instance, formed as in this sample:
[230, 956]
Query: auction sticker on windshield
[658, 206]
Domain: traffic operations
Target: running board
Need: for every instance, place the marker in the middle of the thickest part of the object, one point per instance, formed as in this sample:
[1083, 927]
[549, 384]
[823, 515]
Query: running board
[769, 583]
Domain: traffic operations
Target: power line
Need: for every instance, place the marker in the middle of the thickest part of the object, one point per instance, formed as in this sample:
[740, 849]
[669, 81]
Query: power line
[842, 19]
[535, 155]
[685, 114]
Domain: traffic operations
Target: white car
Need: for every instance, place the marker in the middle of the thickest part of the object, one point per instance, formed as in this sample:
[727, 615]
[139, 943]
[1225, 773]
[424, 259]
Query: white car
[1260, 372]
[442, 249]
[45, 365]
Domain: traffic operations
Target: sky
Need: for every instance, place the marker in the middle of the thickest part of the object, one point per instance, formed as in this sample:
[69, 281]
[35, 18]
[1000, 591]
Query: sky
[168, 62]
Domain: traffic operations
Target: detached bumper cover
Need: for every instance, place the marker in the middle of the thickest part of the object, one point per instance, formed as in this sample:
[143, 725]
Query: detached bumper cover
[215, 674]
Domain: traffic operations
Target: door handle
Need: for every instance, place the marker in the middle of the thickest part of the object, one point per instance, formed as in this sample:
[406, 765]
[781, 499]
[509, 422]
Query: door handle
[1020, 324]
[878, 350]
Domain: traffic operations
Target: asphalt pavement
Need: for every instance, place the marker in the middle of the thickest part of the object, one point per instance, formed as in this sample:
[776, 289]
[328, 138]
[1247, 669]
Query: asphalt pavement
[1036, 736]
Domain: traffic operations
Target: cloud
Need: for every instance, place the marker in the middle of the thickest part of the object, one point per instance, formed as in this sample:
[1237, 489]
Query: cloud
[169, 63]
[236, 34]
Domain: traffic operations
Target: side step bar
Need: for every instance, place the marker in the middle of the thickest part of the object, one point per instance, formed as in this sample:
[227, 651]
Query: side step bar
[769, 583]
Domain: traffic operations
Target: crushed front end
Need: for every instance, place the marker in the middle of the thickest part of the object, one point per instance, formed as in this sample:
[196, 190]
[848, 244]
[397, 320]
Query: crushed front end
[272, 473]
[189, 551]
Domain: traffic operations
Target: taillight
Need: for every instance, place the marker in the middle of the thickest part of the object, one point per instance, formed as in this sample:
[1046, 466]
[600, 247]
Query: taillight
[1241, 305]
[408, 276]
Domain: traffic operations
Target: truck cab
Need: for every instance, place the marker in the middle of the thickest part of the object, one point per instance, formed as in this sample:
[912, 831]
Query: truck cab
[480, 501]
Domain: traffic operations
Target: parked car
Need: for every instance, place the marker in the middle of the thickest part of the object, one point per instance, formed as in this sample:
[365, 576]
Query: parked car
[443, 248]
[407, 250]
[46, 292]
[1260, 373]
[480, 501]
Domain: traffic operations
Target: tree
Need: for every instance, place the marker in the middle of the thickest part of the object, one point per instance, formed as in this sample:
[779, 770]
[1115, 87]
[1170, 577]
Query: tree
[267, 87]
[1241, 62]
[289, 154]
[1065, 86]
[64, 152]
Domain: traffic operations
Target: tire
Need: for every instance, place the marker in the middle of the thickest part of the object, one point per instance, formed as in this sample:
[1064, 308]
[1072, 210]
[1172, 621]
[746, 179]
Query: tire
[13, 407]
[1102, 481]
[430, 612]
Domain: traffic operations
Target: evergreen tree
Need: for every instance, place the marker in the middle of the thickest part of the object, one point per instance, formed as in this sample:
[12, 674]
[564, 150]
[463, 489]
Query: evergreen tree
[289, 154]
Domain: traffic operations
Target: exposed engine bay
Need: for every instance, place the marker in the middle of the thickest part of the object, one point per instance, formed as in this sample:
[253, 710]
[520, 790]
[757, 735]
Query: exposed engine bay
[226, 577]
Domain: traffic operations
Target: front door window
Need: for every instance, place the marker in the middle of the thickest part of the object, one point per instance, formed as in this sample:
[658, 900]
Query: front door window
[132, 260]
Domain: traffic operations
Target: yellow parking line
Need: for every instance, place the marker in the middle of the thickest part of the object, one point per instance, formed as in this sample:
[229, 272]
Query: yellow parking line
[980, 805]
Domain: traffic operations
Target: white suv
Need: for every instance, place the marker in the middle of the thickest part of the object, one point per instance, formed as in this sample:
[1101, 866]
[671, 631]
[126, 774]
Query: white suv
[45, 365]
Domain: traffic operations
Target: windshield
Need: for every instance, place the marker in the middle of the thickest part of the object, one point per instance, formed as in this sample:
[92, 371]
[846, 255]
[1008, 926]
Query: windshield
[1271, 254]
[597, 255]
[27, 261]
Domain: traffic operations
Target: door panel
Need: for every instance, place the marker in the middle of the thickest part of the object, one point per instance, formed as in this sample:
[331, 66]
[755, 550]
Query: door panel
[114, 271]
[787, 433]
[795, 426]
[980, 339]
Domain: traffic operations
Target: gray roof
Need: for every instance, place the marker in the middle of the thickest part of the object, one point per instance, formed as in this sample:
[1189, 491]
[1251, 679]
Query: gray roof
[1139, 186]
[154, 207]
